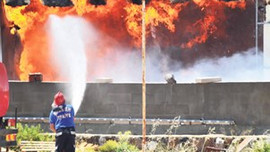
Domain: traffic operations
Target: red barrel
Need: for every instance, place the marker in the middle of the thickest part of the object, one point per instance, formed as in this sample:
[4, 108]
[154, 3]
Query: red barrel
[4, 90]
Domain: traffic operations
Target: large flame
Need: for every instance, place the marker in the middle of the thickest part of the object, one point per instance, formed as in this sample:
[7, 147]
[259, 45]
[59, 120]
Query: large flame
[120, 20]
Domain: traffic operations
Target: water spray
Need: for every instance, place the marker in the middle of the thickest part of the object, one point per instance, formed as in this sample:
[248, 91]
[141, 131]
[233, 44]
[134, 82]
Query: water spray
[68, 53]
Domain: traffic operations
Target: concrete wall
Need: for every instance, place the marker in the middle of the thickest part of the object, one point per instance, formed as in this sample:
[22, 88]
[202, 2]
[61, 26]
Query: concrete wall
[245, 103]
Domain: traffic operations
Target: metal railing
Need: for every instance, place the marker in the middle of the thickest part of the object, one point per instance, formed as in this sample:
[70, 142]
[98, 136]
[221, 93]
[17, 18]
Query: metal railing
[84, 120]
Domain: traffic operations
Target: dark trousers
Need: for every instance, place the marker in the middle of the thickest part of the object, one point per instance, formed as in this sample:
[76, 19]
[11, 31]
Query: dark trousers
[65, 143]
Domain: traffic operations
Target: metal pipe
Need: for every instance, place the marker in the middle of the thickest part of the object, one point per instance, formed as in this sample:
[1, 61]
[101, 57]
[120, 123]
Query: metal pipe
[130, 121]
[256, 28]
[143, 79]
[262, 23]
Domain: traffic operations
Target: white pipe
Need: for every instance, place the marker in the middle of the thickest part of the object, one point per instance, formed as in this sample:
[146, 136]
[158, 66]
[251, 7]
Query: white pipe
[266, 39]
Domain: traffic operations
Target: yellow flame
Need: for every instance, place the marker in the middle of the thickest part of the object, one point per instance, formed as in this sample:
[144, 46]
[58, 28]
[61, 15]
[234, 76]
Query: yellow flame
[157, 13]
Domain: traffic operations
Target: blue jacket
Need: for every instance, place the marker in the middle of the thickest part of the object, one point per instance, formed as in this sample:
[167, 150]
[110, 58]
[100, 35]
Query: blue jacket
[62, 117]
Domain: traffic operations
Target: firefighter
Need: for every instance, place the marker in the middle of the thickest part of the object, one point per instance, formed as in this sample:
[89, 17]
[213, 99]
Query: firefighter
[62, 123]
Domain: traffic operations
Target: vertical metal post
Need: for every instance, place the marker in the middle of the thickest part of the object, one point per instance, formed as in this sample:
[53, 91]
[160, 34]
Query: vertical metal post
[143, 79]
[256, 28]
[16, 116]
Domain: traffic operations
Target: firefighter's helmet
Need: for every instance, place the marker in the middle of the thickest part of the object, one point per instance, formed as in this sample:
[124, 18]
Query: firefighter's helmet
[59, 98]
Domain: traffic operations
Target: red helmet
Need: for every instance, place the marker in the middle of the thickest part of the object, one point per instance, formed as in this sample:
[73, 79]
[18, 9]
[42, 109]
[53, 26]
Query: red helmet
[59, 98]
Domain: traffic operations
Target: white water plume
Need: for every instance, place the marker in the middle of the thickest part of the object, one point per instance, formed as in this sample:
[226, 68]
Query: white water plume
[69, 36]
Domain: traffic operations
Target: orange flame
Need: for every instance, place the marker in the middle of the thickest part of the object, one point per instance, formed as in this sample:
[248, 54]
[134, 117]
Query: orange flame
[158, 12]
[118, 19]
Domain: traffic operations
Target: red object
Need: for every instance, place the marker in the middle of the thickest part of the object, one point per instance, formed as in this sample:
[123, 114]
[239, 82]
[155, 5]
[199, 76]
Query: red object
[4, 90]
[11, 122]
[59, 98]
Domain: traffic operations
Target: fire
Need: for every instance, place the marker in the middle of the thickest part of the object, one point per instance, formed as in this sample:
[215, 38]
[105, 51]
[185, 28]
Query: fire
[83, 7]
[120, 20]
[14, 15]
[158, 12]
[207, 27]
[214, 14]
[31, 20]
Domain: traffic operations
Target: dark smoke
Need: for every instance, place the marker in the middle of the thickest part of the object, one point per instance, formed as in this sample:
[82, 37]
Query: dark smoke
[61, 3]
[98, 2]
[15, 3]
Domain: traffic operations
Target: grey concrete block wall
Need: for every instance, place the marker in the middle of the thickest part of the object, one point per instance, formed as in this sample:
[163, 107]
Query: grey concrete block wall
[245, 103]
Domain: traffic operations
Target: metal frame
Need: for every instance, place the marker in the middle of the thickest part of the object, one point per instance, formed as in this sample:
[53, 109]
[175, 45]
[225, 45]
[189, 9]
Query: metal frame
[257, 23]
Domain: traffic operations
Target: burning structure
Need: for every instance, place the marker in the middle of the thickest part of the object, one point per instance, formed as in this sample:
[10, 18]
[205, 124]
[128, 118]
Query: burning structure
[179, 32]
[184, 31]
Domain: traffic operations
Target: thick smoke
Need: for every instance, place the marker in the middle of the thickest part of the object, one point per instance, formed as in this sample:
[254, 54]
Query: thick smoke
[240, 67]
[69, 36]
